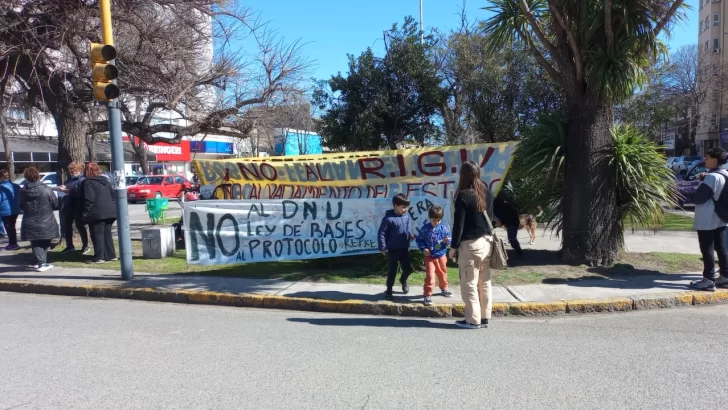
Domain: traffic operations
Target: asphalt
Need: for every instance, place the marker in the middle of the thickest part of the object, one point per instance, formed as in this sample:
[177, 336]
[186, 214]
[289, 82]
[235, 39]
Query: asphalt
[71, 353]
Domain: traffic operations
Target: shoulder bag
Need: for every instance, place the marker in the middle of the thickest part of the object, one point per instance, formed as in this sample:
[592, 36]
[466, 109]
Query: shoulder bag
[498, 254]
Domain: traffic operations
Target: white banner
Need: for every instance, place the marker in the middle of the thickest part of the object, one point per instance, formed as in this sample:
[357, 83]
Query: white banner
[224, 232]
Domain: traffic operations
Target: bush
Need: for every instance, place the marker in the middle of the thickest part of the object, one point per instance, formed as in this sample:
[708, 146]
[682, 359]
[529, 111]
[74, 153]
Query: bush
[644, 184]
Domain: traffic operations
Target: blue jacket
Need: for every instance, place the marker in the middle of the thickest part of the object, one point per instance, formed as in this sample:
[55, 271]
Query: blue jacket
[434, 239]
[394, 232]
[9, 203]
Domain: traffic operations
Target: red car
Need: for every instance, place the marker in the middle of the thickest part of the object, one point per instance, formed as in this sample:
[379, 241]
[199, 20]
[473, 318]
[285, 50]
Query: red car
[157, 186]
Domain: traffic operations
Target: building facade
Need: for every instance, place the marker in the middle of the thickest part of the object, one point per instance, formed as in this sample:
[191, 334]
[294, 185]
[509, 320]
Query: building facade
[713, 124]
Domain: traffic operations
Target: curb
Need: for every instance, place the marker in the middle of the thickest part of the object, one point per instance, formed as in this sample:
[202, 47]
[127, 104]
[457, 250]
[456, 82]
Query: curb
[562, 307]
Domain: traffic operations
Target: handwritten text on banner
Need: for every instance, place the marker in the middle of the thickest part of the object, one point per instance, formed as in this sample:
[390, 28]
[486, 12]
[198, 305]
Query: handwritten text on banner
[224, 232]
[431, 171]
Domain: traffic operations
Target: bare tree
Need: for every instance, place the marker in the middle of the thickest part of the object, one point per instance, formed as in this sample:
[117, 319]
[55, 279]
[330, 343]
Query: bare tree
[693, 81]
[165, 56]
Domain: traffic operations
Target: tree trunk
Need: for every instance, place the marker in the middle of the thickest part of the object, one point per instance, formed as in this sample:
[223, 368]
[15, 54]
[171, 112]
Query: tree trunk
[91, 146]
[140, 154]
[72, 130]
[6, 144]
[591, 231]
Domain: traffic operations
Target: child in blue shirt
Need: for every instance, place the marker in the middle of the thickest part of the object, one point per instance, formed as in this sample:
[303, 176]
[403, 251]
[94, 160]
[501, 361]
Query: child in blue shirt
[433, 239]
[394, 239]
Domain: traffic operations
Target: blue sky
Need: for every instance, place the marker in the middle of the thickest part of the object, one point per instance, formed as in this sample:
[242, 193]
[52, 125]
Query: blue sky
[333, 28]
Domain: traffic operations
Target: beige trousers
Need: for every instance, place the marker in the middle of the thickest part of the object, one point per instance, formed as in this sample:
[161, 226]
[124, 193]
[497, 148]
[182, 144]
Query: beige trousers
[475, 286]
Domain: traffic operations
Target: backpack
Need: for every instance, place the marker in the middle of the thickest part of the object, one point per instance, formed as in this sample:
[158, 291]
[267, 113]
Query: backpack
[721, 204]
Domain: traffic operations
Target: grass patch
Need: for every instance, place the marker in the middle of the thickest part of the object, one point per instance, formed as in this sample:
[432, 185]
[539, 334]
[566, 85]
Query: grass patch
[671, 222]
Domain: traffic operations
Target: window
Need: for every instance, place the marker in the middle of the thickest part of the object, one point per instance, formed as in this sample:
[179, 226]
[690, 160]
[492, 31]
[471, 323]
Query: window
[706, 46]
[716, 19]
[716, 44]
[707, 22]
[179, 180]
[168, 180]
[51, 179]
[713, 120]
[702, 26]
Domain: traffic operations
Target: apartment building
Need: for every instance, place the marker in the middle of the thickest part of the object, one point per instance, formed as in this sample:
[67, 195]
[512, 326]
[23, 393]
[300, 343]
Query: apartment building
[713, 125]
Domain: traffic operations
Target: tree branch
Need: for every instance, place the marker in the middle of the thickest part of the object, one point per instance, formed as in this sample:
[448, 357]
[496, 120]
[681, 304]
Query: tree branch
[549, 46]
[608, 24]
[668, 16]
[543, 61]
[578, 63]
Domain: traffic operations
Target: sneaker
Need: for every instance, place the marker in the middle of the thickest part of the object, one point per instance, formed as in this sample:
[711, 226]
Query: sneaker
[86, 250]
[465, 325]
[68, 250]
[90, 261]
[389, 295]
[13, 247]
[405, 286]
[484, 323]
[704, 284]
[428, 300]
[446, 293]
[42, 267]
[114, 259]
[721, 282]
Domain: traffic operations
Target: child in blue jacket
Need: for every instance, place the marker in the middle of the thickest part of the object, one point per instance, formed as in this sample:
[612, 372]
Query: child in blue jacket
[394, 237]
[433, 239]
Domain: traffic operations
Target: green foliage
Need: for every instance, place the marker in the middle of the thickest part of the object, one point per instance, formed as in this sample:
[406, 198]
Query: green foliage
[382, 102]
[644, 185]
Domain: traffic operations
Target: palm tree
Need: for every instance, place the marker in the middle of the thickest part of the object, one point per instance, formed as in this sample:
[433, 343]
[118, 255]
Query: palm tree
[597, 51]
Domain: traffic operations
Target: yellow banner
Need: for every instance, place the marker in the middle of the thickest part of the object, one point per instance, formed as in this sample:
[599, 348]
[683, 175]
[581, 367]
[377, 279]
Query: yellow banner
[430, 171]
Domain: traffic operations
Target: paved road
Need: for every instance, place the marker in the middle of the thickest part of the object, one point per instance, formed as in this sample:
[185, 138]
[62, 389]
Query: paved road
[59, 353]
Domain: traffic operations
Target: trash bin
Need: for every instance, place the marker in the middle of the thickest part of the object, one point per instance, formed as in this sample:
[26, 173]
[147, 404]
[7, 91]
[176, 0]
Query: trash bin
[157, 209]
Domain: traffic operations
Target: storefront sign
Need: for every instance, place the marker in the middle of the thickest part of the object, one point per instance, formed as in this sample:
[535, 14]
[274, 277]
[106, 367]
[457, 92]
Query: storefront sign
[379, 174]
[224, 232]
[168, 152]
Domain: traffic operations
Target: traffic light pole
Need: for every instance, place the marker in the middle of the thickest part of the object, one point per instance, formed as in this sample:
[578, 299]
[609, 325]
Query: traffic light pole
[117, 159]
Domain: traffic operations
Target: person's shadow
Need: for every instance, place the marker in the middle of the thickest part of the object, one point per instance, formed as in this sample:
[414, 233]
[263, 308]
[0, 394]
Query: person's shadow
[375, 322]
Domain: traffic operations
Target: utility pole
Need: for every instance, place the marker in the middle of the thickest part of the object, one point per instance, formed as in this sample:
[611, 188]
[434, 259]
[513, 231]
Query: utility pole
[422, 29]
[105, 89]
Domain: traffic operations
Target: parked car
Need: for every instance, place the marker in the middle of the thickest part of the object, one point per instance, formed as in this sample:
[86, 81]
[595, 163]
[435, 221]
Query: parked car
[48, 178]
[688, 184]
[670, 161]
[157, 186]
[683, 163]
[132, 180]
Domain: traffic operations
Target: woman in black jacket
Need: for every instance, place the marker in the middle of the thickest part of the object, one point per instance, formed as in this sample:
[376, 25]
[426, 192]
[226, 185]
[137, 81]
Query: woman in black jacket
[99, 212]
[39, 226]
[472, 242]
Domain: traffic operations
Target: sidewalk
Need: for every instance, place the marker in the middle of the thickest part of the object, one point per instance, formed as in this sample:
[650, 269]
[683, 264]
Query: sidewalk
[579, 296]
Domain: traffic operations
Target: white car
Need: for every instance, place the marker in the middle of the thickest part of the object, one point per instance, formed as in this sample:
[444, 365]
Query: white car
[683, 163]
[48, 178]
[670, 161]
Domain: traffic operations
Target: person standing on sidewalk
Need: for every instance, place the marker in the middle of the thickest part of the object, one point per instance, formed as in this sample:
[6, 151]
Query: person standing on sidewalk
[432, 240]
[711, 228]
[9, 208]
[472, 243]
[73, 203]
[99, 212]
[39, 226]
[507, 215]
[394, 237]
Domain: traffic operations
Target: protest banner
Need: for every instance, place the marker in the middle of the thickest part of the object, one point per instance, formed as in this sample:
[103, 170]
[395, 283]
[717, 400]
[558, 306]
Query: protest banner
[225, 232]
[431, 172]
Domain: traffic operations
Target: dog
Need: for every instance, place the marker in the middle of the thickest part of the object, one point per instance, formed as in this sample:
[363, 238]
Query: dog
[529, 221]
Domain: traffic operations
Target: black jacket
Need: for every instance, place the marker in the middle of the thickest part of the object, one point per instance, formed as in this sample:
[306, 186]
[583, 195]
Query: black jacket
[98, 199]
[38, 201]
[506, 213]
[74, 199]
[468, 223]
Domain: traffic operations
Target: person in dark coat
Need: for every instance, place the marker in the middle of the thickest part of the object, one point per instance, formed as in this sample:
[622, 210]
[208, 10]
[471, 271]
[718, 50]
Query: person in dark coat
[9, 208]
[72, 205]
[39, 226]
[99, 212]
[507, 215]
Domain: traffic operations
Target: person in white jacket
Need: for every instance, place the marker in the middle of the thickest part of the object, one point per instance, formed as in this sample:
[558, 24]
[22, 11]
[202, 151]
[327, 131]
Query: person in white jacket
[711, 228]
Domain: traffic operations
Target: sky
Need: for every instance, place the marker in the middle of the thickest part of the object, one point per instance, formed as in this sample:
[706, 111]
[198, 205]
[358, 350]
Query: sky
[332, 28]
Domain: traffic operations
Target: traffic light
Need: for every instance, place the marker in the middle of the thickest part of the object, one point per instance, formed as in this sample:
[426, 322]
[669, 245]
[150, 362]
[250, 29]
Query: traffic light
[104, 72]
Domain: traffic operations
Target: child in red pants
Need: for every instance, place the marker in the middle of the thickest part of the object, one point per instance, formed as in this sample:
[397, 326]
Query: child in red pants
[432, 240]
